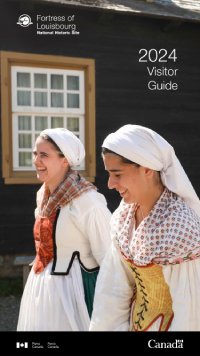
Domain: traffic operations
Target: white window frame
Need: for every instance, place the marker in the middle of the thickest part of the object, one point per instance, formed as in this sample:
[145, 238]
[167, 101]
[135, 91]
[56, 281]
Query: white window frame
[19, 110]
[48, 109]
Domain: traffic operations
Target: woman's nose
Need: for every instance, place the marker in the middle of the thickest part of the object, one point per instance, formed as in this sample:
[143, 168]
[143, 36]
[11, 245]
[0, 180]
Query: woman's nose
[112, 183]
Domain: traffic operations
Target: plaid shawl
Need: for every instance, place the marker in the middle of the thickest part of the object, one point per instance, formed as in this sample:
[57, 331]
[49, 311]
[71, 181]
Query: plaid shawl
[71, 187]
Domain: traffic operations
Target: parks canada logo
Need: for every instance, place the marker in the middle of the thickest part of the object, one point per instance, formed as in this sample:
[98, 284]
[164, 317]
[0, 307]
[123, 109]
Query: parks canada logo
[24, 20]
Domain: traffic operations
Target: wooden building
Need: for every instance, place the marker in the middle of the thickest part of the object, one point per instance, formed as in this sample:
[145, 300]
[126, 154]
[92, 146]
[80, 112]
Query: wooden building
[87, 65]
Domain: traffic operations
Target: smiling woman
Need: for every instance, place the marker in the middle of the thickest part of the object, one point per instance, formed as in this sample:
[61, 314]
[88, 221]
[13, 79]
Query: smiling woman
[71, 233]
[129, 179]
[50, 163]
[149, 279]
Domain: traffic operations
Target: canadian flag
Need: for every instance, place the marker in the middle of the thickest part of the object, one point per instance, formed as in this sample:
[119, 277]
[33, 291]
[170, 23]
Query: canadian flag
[22, 344]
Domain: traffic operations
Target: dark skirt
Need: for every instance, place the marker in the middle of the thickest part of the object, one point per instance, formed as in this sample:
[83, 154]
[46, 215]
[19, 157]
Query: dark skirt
[89, 283]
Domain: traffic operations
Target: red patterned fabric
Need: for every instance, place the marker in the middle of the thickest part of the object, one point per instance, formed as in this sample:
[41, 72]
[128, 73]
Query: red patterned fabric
[43, 229]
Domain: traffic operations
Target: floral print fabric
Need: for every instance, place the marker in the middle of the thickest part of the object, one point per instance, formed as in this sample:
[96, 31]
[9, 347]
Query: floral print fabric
[170, 234]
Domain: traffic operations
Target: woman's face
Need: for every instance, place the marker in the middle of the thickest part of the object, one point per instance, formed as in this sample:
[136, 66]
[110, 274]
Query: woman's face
[50, 167]
[127, 179]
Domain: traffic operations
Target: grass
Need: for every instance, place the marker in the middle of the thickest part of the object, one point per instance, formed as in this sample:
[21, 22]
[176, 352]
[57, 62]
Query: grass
[11, 286]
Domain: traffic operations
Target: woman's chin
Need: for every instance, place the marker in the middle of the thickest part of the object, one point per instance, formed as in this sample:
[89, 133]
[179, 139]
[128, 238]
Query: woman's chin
[128, 200]
[40, 178]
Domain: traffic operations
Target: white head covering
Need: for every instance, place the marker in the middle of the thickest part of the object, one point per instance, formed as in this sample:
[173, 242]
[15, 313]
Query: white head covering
[69, 144]
[148, 149]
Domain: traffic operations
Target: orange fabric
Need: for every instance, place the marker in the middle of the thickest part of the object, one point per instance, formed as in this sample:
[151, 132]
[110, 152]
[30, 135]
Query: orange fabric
[43, 230]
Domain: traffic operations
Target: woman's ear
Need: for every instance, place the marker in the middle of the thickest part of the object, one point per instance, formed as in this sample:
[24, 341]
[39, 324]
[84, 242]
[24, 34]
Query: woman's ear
[148, 172]
[65, 162]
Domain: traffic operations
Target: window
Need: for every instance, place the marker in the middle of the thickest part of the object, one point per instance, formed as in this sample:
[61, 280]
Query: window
[44, 98]
[40, 92]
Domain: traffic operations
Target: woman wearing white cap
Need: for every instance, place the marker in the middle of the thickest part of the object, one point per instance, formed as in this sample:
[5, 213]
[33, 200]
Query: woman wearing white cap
[71, 235]
[150, 278]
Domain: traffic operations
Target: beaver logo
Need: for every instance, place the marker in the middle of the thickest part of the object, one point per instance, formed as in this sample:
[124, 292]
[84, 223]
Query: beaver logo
[24, 20]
